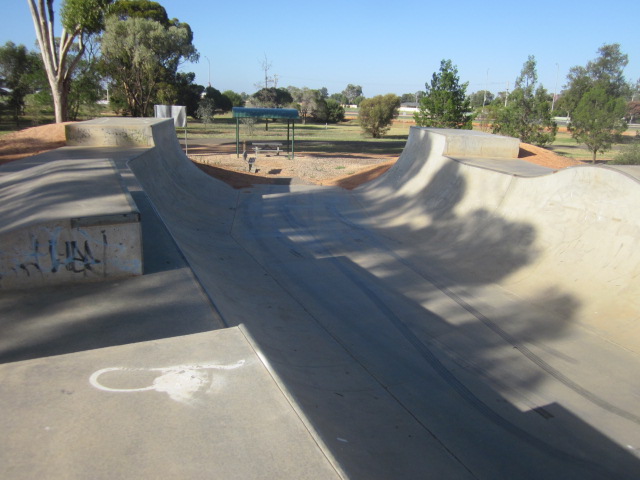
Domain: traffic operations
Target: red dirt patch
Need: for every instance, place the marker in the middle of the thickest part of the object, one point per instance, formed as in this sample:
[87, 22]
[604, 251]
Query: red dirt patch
[544, 157]
[31, 141]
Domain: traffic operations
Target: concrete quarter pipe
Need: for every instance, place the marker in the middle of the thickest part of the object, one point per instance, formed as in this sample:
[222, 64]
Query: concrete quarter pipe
[446, 320]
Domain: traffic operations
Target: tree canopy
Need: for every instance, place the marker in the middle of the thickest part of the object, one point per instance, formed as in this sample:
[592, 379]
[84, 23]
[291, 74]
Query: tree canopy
[606, 70]
[272, 97]
[481, 98]
[445, 104]
[18, 67]
[376, 114]
[142, 57]
[352, 92]
[598, 119]
[237, 99]
[334, 111]
[220, 101]
[188, 93]
[307, 101]
[527, 115]
[147, 9]
[594, 98]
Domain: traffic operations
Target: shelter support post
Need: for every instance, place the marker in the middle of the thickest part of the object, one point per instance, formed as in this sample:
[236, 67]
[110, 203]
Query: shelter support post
[237, 137]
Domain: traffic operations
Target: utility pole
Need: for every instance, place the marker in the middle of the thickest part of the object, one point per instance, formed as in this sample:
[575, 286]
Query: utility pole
[486, 86]
[555, 90]
[209, 69]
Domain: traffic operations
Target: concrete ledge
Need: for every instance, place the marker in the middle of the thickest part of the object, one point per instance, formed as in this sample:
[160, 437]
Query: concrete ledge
[67, 221]
[469, 143]
[108, 132]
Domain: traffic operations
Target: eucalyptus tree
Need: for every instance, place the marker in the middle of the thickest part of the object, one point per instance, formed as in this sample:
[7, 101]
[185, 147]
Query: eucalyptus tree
[352, 92]
[61, 55]
[142, 56]
[308, 101]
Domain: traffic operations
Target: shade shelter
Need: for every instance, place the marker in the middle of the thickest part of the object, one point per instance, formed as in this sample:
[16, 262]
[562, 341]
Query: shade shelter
[288, 114]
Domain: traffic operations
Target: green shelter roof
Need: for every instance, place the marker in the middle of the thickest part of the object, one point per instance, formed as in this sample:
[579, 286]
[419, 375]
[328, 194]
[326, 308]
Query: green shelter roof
[274, 113]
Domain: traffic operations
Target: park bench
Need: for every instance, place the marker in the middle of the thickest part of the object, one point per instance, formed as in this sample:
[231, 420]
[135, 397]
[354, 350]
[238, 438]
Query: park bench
[257, 146]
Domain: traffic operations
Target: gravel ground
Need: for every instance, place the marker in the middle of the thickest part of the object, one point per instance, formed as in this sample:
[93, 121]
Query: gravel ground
[327, 169]
[314, 169]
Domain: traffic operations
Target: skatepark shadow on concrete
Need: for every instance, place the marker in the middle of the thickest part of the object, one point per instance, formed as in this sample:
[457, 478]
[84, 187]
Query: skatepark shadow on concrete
[476, 247]
[416, 333]
[459, 383]
[369, 279]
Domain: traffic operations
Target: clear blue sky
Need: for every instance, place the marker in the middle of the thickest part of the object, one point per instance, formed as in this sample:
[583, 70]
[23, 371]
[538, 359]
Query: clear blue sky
[383, 46]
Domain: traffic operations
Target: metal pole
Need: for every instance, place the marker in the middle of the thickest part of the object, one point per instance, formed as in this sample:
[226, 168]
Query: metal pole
[555, 90]
[293, 143]
[237, 137]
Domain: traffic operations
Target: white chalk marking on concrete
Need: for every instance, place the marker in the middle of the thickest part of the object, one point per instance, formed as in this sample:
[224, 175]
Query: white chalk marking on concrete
[180, 382]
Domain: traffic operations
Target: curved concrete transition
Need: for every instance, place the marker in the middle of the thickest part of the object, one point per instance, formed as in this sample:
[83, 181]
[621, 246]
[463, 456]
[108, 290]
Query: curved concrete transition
[464, 316]
[569, 235]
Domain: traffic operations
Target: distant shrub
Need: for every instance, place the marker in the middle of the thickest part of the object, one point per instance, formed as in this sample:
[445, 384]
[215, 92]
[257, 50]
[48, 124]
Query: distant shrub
[629, 155]
[335, 111]
[376, 114]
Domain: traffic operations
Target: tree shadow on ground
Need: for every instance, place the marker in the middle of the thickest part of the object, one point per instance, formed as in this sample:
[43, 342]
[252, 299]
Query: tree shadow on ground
[400, 300]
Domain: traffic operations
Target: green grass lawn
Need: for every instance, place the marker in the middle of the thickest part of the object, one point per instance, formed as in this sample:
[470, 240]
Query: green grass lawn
[566, 146]
[346, 137]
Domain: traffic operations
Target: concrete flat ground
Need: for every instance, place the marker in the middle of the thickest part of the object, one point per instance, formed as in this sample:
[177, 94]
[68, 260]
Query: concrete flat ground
[422, 326]
[197, 406]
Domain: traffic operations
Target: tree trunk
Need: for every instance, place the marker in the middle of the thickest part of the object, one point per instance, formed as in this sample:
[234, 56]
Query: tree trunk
[16, 116]
[54, 56]
[60, 99]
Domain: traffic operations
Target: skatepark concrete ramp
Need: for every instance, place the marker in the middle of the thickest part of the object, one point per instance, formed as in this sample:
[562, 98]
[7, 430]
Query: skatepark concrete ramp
[466, 315]
[576, 228]
[463, 300]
